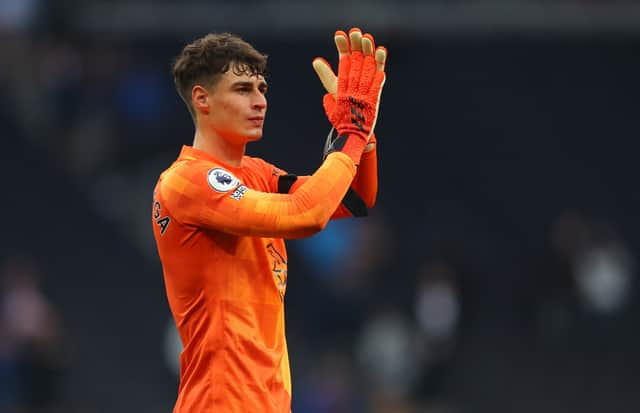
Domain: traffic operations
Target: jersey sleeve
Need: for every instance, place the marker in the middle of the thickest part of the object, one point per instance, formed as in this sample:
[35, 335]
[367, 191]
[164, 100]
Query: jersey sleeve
[193, 196]
[366, 181]
[363, 191]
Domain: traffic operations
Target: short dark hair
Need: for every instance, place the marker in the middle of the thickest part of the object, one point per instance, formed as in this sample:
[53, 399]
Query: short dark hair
[204, 60]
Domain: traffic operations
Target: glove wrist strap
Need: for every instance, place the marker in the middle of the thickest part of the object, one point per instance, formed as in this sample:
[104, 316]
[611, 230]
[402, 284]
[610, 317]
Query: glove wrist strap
[349, 143]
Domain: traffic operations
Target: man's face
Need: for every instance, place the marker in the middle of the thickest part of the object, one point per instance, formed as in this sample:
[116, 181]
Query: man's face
[237, 107]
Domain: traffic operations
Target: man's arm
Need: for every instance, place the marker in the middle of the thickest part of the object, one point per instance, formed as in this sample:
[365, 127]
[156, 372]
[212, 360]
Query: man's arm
[363, 192]
[192, 199]
[364, 189]
[365, 183]
[361, 195]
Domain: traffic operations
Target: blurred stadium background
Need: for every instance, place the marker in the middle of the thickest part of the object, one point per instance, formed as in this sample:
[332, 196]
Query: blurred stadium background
[498, 272]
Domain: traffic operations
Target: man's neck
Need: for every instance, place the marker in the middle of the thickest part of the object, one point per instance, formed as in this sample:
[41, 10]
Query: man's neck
[221, 149]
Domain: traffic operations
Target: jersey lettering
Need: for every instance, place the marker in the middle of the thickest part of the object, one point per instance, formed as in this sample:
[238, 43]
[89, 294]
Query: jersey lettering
[163, 222]
[279, 270]
[239, 192]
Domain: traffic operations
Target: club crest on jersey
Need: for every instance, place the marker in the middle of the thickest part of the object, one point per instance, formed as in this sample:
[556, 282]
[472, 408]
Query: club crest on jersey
[221, 180]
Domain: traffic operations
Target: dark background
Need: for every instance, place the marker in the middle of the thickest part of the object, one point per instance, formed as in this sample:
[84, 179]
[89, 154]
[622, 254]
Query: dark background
[507, 161]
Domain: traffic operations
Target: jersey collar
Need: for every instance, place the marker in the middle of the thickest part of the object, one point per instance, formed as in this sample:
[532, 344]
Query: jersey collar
[191, 153]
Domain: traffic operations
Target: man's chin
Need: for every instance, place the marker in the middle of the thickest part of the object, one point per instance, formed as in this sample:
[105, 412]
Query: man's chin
[254, 137]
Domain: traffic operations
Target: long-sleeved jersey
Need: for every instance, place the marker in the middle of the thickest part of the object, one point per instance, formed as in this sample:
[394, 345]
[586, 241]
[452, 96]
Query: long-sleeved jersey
[220, 235]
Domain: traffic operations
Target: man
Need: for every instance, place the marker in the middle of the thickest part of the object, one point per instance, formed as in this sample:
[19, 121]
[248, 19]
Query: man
[219, 217]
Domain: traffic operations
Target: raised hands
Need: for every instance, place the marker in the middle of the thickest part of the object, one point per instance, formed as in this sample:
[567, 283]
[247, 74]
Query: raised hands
[353, 97]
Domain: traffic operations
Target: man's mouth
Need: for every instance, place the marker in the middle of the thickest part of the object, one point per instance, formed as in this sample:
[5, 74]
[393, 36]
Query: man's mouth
[257, 120]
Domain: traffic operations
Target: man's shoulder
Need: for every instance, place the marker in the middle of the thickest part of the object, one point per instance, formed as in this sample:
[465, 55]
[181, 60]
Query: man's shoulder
[253, 162]
[189, 167]
[184, 175]
[261, 166]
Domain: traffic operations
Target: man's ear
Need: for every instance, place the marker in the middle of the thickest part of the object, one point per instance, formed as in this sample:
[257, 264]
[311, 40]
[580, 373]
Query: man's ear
[200, 99]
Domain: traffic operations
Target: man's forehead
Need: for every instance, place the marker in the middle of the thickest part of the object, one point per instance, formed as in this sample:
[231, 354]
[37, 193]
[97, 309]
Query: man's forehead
[232, 77]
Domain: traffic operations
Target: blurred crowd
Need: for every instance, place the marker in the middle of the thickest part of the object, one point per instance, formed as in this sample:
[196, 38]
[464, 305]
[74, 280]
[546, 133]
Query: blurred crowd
[374, 325]
[31, 358]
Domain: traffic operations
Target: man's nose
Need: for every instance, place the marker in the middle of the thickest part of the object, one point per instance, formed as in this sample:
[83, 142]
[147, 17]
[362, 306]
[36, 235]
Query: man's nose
[260, 101]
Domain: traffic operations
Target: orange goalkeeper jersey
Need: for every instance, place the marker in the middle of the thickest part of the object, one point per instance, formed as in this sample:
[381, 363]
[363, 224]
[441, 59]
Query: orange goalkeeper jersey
[219, 231]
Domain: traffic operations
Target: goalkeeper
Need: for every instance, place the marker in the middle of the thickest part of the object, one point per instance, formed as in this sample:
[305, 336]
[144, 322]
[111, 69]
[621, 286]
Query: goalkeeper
[220, 218]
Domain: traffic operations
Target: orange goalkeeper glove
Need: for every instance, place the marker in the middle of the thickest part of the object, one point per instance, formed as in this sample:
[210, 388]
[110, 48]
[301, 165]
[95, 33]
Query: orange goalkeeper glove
[330, 82]
[357, 88]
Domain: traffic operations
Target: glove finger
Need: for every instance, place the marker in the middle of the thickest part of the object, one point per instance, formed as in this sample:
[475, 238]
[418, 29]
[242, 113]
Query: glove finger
[375, 116]
[342, 43]
[376, 86]
[344, 65]
[375, 94]
[368, 44]
[368, 65]
[325, 74]
[329, 105]
[367, 73]
[381, 58]
[355, 72]
[355, 38]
